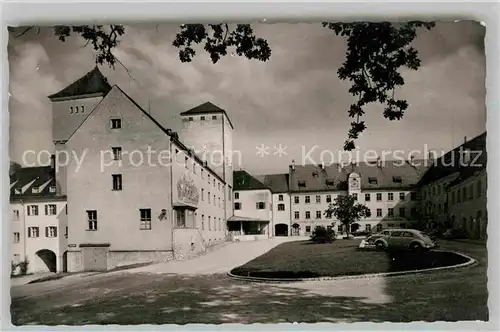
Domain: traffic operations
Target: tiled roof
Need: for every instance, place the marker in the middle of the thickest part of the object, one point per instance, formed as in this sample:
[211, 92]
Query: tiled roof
[32, 177]
[277, 183]
[91, 83]
[244, 181]
[207, 108]
[451, 163]
[389, 175]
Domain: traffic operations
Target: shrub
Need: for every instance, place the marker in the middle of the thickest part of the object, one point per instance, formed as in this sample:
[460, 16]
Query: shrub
[23, 267]
[321, 234]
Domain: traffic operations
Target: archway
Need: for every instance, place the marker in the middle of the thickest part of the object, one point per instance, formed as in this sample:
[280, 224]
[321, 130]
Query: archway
[46, 261]
[295, 229]
[354, 227]
[281, 230]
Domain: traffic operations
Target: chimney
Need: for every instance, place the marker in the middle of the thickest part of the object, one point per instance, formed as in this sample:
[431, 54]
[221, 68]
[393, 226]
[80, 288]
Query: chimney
[431, 155]
[292, 166]
[412, 157]
[465, 139]
[322, 165]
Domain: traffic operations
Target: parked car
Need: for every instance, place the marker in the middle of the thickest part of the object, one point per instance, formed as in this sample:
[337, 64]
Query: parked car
[399, 239]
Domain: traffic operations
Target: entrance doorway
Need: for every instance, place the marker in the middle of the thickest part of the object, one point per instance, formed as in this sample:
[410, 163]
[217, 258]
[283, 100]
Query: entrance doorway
[281, 230]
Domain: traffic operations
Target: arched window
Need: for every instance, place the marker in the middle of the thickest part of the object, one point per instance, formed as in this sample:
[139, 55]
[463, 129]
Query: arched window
[281, 207]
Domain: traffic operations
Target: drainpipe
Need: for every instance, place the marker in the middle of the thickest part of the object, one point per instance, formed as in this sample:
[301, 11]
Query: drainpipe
[25, 231]
[171, 199]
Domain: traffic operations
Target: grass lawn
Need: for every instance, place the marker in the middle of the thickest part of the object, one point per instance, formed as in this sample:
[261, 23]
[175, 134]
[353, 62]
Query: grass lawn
[303, 259]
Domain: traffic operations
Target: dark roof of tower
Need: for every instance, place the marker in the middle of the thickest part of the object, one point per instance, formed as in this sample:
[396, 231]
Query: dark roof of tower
[91, 83]
[207, 108]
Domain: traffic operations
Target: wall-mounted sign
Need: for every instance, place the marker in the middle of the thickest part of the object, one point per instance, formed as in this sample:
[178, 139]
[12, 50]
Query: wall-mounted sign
[187, 192]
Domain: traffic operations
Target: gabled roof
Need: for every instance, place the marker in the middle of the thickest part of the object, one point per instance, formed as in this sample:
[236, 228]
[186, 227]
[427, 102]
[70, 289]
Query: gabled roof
[91, 83]
[244, 181]
[277, 183]
[451, 162]
[206, 108]
[34, 177]
[389, 175]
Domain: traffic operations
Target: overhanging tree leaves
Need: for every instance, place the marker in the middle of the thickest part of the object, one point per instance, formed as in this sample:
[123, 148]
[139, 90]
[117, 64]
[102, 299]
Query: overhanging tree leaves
[375, 55]
[347, 210]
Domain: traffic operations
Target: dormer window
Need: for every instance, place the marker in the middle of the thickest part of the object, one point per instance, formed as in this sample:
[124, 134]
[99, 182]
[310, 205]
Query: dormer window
[330, 182]
[52, 189]
[202, 118]
[35, 190]
[18, 191]
[214, 117]
[315, 174]
[77, 108]
[302, 183]
[372, 180]
[71, 110]
[397, 179]
[190, 119]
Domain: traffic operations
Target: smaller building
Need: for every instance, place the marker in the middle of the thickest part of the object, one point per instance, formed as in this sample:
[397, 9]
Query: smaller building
[38, 221]
[253, 214]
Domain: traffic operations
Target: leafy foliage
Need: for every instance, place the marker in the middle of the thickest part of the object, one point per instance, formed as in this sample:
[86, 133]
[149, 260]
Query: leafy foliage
[322, 234]
[376, 52]
[346, 209]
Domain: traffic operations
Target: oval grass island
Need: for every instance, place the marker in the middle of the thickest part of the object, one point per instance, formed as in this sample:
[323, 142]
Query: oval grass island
[301, 260]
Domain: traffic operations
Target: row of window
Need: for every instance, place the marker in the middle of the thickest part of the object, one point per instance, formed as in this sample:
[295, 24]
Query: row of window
[209, 200]
[34, 190]
[213, 222]
[76, 109]
[467, 193]
[379, 213]
[258, 205]
[202, 118]
[368, 227]
[32, 210]
[34, 232]
[390, 197]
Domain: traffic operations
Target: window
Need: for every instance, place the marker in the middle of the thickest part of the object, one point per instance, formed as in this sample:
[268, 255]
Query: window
[190, 118]
[318, 214]
[261, 205]
[479, 188]
[202, 173]
[145, 218]
[17, 237]
[355, 196]
[379, 227]
[397, 179]
[50, 210]
[413, 212]
[368, 227]
[117, 181]
[368, 213]
[401, 196]
[372, 180]
[459, 197]
[208, 177]
[33, 232]
[471, 192]
[117, 153]
[308, 229]
[15, 215]
[181, 218]
[302, 183]
[66, 233]
[202, 194]
[237, 206]
[367, 197]
[209, 223]
[202, 118]
[116, 123]
[214, 117]
[296, 199]
[214, 183]
[413, 196]
[51, 231]
[328, 198]
[390, 196]
[215, 202]
[18, 191]
[219, 201]
[339, 228]
[280, 198]
[379, 197]
[464, 194]
[32, 210]
[392, 225]
[308, 214]
[318, 199]
[92, 220]
[52, 189]
[379, 212]
[308, 199]
[402, 212]
[66, 209]
[35, 190]
[390, 212]
[236, 195]
[281, 207]
[296, 215]
[71, 110]
[208, 197]
[202, 222]
[218, 186]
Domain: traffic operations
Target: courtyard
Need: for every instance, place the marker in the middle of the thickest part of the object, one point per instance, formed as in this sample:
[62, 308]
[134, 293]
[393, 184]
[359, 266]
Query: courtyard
[209, 296]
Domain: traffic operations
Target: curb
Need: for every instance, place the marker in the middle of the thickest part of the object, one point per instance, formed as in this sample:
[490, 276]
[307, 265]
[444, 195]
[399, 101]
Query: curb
[470, 261]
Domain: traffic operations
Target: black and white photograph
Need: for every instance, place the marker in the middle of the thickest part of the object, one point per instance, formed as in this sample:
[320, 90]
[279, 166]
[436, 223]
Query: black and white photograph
[266, 172]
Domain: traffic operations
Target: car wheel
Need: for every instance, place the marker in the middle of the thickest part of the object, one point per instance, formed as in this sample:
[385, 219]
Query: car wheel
[380, 245]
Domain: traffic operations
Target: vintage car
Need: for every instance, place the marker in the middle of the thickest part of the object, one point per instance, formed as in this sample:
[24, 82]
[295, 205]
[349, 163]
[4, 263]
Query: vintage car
[399, 239]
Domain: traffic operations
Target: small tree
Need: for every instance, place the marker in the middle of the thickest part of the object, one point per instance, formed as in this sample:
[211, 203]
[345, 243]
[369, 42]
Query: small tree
[322, 234]
[346, 209]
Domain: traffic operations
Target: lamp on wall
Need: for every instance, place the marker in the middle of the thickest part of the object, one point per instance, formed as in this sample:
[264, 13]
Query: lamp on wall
[163, 215]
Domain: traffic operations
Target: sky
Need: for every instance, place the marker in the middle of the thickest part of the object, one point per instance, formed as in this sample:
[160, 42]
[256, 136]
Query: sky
[294, 100]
